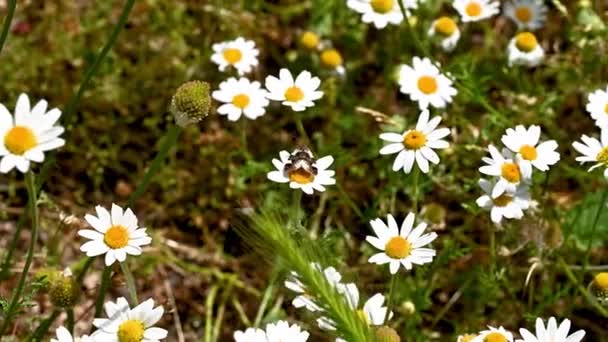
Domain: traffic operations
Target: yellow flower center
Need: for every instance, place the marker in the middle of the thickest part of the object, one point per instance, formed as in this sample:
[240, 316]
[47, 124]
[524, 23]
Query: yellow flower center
[523, 14]
[294, 94]
[116, 237]
[495, 337]
[502, 200]
[398, 248]
[331, 58]
[240, 100]
[301, 176]
[445, 26]
[473, 9]
[602, 157]
[131, 331]
[309, 40]
[526, 41]
[363, 316]
[528, 152]
[601, 280]
[382, 6]
[427, 84]
[19, 140]
[414, 140]
[510, 172]
[606, 109]
[232, 55]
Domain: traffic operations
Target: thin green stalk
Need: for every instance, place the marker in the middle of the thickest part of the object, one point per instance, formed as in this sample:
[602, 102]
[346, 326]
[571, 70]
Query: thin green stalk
[30, 182]
[130, 283]
[6, 265]
[209, 313]
[600, 209]
[301, 130]
[582, 288]
[6, 26]
[415, 177]
[70, 321]
[410, 29]
[265, 299]
[103, 289]
[389, 304]
[492, 248]
[44, 326]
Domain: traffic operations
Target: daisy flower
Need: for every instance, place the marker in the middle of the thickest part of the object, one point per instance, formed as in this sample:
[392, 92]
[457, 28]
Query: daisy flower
[381, 12]
[525, 142]
[126, 324]
[304, 299]
[302, 171]
[63, 335]
[465, 338]
[553, 332]
[593, 150]
[597, 107]
[509, 205]
[27, 135]
[241, 97]
[507, 167]
[527, 14]
[424, 83]
[447, 30]
[332, 59]
[400, 247]
[524, 49]
[494, 335]
[115, 234]
[416, 144]
[298, 94]
[476, 10]
[250, 335]
[599, 287]
[282, 331]
[241, 54]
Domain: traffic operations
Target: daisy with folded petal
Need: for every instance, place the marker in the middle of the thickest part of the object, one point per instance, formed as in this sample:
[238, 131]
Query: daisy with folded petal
[302, 171]
[597, 107]
[126, 324]
[416, 144]
[506, 166]
[332, 59]
[552, 332]
[527, 14]
[250, 335]
[424, 83]
[446, 29]
[304, 299]
[476, 10]
[297, 94]
[401, 247]
[509, 205]
[114, 234]
[494, 335]
[381, 12]
[63, 335]
[594, 150]
[28, 134]
[241, 97]
[281, 331]
[240, 54]
[524, 49]
[525, 142]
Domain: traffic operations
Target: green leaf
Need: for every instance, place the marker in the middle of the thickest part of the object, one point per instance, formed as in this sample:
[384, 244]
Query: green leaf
[580, 222]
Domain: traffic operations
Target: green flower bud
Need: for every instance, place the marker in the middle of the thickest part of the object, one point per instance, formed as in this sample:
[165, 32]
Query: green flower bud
[46, 276]
[191, 103]
[387, 334]
[64, 290]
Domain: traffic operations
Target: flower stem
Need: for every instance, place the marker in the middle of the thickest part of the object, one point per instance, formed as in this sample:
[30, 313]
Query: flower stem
[70, 321]
[492, 249]
[130, 282]
[415, 177]
[582, 289]
[6, 26]
[45, 325]
[390, 297]
[601, 207]
[6, 265]
[103, 289]
[301, 130]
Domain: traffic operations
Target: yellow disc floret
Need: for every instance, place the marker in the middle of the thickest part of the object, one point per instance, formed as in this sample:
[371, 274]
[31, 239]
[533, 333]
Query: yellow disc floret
[523, 14]
[510, 172]
[602, 156]
[528, 152]
[427, 84]
[382, 6]
[232, 55]
[241, 101]
[445, 26]
[331, 58]
[116, 237]
[495, 337]
[414, 140]
[502, 200]
[606, 109]
[301, 176]
[294, 94]
[309, 40]
[19, 140]
[131, 330]
[473, 9]
[398, 248]
[601, 280]
[526, 41]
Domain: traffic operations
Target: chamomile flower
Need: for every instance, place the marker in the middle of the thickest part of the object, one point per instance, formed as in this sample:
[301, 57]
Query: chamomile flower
[476, 10]
[527, 14]
[597, 107]
[524, 49]
[509, 205]
[28, 134]
[332, 59]
[250, 335]
[115, 234]
[297, 94]
[424, 83]
[401, 247]
[381, 12]
[494, 335]
[302, 171]
[63, 335]
[126, 324]
[506, 166]
[304, 299]
[372, 313]
[241, 54]
[594, 150]
[447, 30]
[525, 142]
[282, 331]
[241, 97]
[552, 332]
[416, 144]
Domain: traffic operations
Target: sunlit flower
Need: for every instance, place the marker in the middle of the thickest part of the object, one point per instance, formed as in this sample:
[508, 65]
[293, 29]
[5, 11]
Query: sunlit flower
[525, 142]
[115, 234]
[63, 335]
[597, 107]
[527, 14]
[552, 332]
[332, 59]
[241, 97]
[304, 299]
[281, 331]
[446, 29]
[416, 144]
[28, 134]
[310, 40]
[297, 94]
[241, 54]
[494, 335]
[476, 10]
[524, 49]
[401, 247]
[593, 150]
[250, 335]
[381, 12]
[126, 324]
[302, 171]
[509, 205]
[507, 167]
[424, 83]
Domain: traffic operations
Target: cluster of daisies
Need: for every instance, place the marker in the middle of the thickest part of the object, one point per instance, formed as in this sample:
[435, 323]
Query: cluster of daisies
[591, 149]
[551, 332]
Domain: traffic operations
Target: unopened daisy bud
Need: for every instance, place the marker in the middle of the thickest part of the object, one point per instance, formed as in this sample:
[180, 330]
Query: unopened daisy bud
[64, 290]
[387, 334]
[309, 40]
[191, 103]
[408, 307]
[599, 286]
[332, 59]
